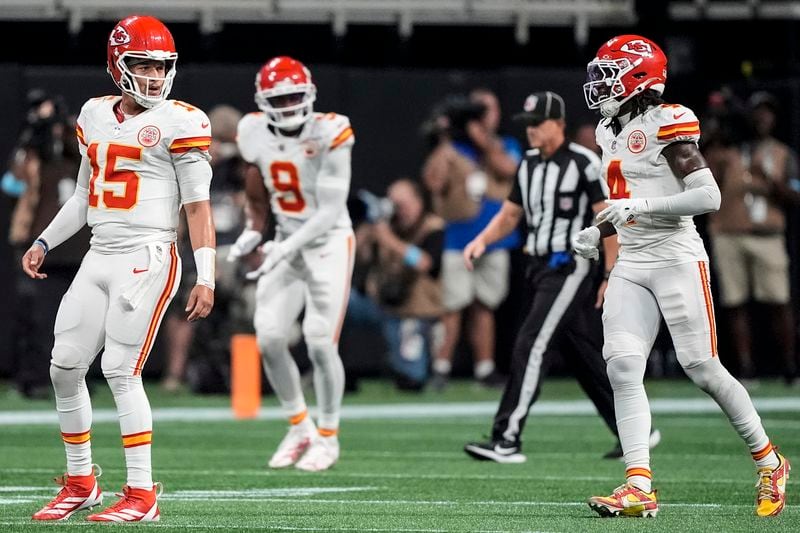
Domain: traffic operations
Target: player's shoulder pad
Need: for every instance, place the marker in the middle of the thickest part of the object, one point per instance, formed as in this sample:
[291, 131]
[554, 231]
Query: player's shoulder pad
[246, 130]
[94, 105]
[250, 122]
[334, 129]
[674, 122]
[191, 127]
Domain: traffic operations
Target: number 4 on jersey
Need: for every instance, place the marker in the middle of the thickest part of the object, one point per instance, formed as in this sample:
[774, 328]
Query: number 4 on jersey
[617, 186]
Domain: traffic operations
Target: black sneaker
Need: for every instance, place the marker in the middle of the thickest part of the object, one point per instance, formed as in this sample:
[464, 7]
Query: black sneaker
[438, 381]
[499, 451]
[494, 380]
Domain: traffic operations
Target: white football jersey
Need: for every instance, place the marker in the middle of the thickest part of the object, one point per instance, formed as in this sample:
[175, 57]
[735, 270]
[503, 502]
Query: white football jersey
[135, 191]
[634, 167]
[291, 165]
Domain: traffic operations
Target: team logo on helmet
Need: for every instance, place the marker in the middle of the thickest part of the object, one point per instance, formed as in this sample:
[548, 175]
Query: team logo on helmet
[637, 141]
[149, 136]
[638, 47]
[119, 37]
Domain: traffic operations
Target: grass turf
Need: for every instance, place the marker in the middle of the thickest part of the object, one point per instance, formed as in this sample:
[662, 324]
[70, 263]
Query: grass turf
[405, 474]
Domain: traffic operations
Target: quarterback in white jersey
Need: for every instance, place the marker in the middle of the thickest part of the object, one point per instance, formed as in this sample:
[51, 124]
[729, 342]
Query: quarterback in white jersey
[143, 158]
[658, 180]
[300, 166]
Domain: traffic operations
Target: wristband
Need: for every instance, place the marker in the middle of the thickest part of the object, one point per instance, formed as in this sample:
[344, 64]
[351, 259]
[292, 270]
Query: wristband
[43, 243]
[205, 262]
[412, 256]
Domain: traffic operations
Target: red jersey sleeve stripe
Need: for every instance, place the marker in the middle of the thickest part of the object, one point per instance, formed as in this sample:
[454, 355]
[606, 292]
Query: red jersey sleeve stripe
[342, 137]
[187, 148]
[190, 141]
[680, 133]
[79, 132]
[666, 130]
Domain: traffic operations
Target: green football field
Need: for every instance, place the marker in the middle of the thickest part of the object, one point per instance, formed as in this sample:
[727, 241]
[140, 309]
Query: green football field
[402, 466]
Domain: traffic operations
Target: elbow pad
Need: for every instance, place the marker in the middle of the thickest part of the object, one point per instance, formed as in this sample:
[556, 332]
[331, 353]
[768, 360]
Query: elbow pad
[703, 179]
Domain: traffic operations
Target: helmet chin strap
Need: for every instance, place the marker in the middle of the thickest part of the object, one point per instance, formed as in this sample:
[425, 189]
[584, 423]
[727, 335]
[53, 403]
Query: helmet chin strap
[610, 108]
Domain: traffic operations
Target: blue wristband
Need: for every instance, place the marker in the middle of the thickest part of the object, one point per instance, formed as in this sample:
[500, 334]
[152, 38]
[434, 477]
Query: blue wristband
[43, 243]
[412, 256]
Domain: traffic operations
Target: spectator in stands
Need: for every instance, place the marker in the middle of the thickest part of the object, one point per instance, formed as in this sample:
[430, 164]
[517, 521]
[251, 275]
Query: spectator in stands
[468, 173]
[46, 161]
[748, 232]
[406, 249]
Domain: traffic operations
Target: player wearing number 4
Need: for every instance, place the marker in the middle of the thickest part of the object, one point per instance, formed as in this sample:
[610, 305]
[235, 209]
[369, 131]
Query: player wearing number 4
[300, 165]
[143, 158]
[658, 181]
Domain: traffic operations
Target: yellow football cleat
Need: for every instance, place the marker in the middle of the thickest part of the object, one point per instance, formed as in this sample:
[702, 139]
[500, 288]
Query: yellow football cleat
[771, 485]
[626, 500]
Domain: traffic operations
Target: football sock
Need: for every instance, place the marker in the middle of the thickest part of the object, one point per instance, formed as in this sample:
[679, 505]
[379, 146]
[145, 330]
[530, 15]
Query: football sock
[302, 420]
[442, 366]
[74, 417]
[626, 374]
[328, 382]
[283, 375]
[136, 426]
[641, 478]
[732, 397]
[483, 368]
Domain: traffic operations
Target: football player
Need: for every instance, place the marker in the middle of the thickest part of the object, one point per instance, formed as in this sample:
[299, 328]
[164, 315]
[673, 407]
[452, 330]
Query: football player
[144, 157]
[658, 181]
[300, 167]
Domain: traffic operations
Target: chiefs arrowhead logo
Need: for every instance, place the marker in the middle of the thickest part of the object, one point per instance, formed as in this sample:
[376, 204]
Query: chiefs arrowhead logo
[119, 37]
[638, 47]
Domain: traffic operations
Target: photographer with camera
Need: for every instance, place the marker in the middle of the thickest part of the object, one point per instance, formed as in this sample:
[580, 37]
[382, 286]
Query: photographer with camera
[402, 241]
[469, 172]
[45, 160]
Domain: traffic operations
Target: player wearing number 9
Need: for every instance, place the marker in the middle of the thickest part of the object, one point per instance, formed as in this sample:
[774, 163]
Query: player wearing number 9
[299, 165]
[144, 157]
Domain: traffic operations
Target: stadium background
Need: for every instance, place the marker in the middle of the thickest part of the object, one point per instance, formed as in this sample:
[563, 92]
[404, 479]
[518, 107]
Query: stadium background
[387, 82]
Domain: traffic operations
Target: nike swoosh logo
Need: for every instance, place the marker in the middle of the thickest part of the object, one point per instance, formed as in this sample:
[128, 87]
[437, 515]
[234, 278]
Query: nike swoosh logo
[679, 115]
[205, 125]
[504, 451]
[140, 270]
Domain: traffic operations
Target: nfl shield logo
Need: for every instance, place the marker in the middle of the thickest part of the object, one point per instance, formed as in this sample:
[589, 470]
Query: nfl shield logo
[565, 203]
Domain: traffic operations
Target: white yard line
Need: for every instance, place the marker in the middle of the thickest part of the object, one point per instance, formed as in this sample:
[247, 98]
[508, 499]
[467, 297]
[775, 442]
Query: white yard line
[411, 410]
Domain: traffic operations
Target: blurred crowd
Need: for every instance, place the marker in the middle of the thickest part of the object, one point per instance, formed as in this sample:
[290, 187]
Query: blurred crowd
[426, 314]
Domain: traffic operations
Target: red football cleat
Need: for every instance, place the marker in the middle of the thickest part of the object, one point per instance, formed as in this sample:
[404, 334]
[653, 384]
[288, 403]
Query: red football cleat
[78, 492]
[134, 505]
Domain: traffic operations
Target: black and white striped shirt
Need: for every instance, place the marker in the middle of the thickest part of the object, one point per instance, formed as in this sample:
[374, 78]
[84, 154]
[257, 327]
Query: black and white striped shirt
[557, 195]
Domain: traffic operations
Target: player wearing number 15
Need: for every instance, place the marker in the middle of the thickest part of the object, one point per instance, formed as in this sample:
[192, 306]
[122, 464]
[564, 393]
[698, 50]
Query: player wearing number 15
[658, 181]
[143, 158]
[300, 165]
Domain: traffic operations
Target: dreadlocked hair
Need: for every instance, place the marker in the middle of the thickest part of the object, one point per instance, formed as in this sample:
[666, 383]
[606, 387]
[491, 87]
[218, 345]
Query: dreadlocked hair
[644, 101]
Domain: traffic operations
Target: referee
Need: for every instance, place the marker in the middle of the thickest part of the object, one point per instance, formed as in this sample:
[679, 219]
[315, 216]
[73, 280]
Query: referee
[558, 188]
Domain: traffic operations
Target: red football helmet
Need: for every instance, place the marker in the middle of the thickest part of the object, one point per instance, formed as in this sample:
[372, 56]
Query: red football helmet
[285, 92]
[136, 38]
[625, 66]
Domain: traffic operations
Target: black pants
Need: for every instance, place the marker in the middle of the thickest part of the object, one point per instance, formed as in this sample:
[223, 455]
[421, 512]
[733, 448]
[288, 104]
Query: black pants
[561, 317]
[37, 304]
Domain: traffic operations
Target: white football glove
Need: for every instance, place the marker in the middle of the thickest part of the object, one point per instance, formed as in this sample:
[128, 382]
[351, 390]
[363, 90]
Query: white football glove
[245, 243]
[273, 254]
[623, 212]
[586, 241]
